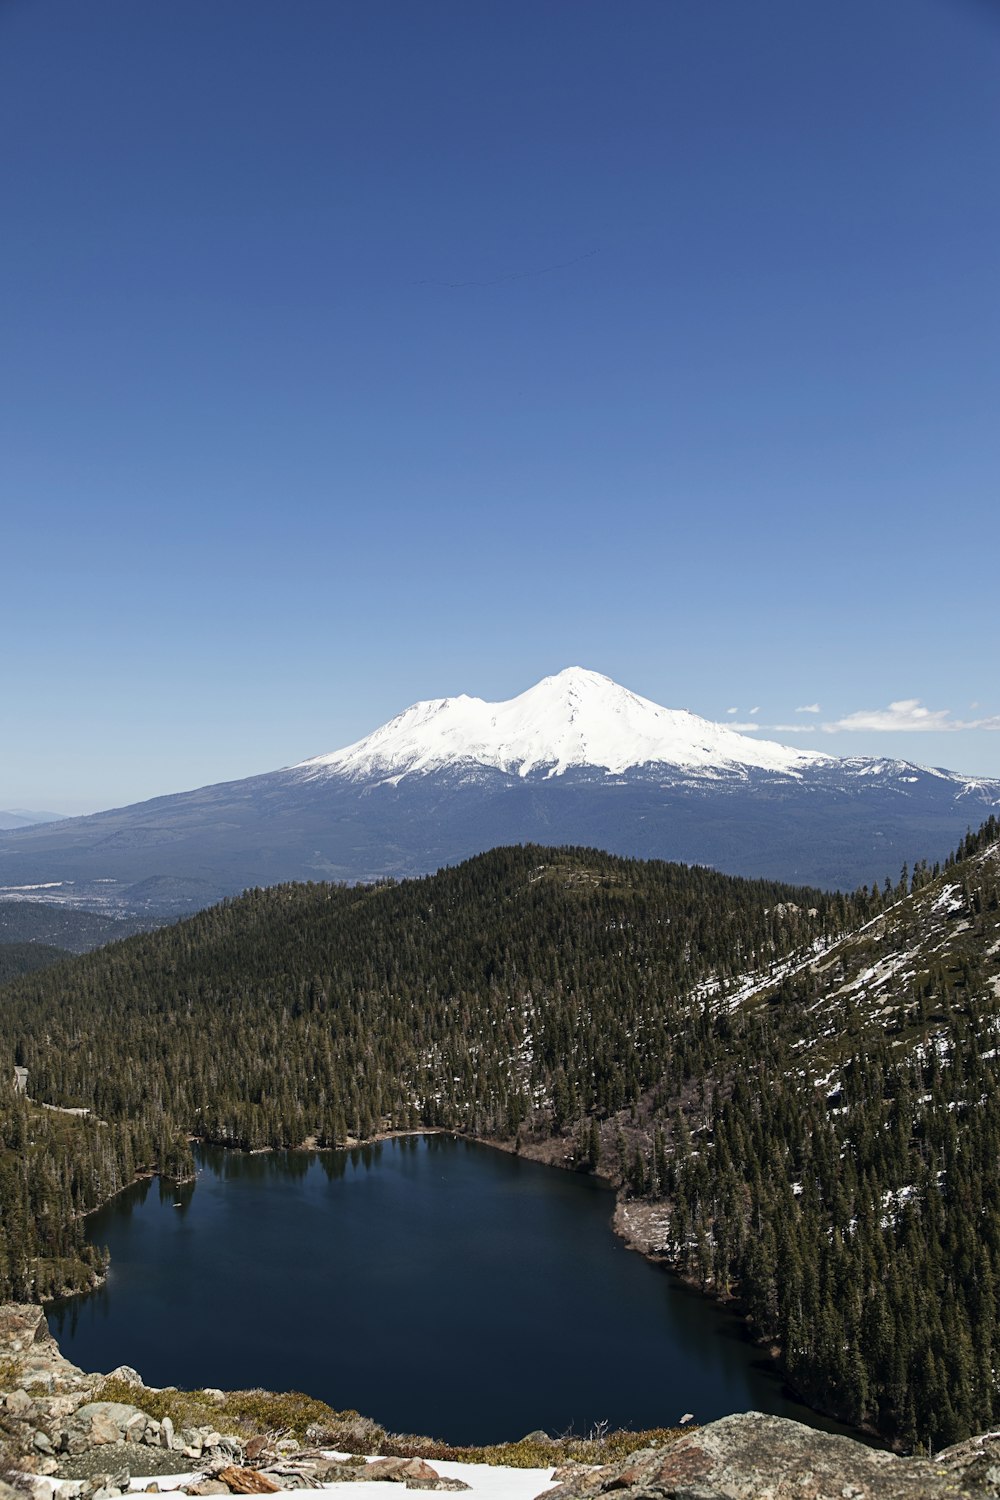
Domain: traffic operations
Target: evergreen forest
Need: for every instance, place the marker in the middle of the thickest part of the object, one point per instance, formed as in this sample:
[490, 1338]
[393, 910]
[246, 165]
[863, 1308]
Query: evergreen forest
[796, 1092]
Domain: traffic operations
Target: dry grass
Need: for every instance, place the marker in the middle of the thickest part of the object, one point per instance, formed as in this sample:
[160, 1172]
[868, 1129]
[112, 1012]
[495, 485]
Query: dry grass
[247, 1414]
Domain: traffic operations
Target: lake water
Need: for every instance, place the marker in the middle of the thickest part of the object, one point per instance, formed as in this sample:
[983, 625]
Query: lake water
[433, 1284]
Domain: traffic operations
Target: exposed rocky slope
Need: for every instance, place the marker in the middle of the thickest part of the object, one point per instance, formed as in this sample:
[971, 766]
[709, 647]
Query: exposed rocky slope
[757, 1457]
[58, 1423]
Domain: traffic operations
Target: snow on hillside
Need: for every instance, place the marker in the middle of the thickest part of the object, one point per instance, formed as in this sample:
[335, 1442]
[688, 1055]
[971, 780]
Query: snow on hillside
[576, 718]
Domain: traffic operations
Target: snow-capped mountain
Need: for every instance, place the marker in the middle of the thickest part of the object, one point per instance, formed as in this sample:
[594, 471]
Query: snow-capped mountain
[576, 759]
[573, 721]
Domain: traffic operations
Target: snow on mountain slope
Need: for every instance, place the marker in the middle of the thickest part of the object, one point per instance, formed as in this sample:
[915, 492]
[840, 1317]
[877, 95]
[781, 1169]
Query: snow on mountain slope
[572, 720]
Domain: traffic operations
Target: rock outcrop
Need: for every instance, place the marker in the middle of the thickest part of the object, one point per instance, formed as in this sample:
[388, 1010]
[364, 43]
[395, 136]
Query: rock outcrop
[42, 1391]
[82, 1448]
[757, 1457]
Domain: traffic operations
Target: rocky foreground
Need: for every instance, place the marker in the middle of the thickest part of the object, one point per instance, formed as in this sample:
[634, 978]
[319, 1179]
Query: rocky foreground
[62, 1441]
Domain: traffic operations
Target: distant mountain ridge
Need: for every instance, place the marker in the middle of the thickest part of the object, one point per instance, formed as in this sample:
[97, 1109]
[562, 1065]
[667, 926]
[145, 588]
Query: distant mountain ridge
[54, 926]
[577, 759]
[27, 958]
[22, 817]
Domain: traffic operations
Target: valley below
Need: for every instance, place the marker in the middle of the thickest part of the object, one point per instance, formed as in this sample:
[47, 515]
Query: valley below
[791, 1091]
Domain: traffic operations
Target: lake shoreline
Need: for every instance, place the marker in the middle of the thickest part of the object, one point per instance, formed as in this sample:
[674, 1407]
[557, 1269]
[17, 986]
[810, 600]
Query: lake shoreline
[549, 1153]
[636, 1237]
[416, 1231]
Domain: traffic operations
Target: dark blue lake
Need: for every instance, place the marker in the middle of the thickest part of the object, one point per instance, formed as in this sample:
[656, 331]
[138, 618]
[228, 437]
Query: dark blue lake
[435, 1285]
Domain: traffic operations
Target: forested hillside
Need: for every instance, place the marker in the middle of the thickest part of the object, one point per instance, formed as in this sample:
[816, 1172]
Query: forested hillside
[25, 958]
[795, 1088]
[61, 926]
[839, 1166]
[462, 1000]
[54, 1168]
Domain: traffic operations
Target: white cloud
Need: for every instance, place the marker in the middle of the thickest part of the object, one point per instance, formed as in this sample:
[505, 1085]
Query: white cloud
[753, 726]
[732, 710]
[907, 715]
[756, 710]
[808, 708]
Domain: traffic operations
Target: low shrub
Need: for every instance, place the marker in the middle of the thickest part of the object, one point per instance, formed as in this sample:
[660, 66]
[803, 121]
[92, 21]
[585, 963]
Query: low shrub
[248, 1413]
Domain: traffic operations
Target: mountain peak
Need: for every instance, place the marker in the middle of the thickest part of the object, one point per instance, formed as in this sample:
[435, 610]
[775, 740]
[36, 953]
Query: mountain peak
[576, 679]
[574, 719]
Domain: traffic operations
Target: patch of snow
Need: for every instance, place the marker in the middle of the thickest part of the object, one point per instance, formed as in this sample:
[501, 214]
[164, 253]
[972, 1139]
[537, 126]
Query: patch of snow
[486, 1481]
[948, 900]
[45, 885]
[893, 1201]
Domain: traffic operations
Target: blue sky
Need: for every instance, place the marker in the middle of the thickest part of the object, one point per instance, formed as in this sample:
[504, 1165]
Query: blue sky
[360, 353]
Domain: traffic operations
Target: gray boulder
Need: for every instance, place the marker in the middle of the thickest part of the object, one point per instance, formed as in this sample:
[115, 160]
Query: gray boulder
[753, 1456]
[975, 1463]
[19, 1404]
[99, 1422]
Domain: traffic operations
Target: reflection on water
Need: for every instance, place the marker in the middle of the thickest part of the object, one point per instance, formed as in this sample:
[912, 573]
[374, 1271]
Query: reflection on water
[433, 1284]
